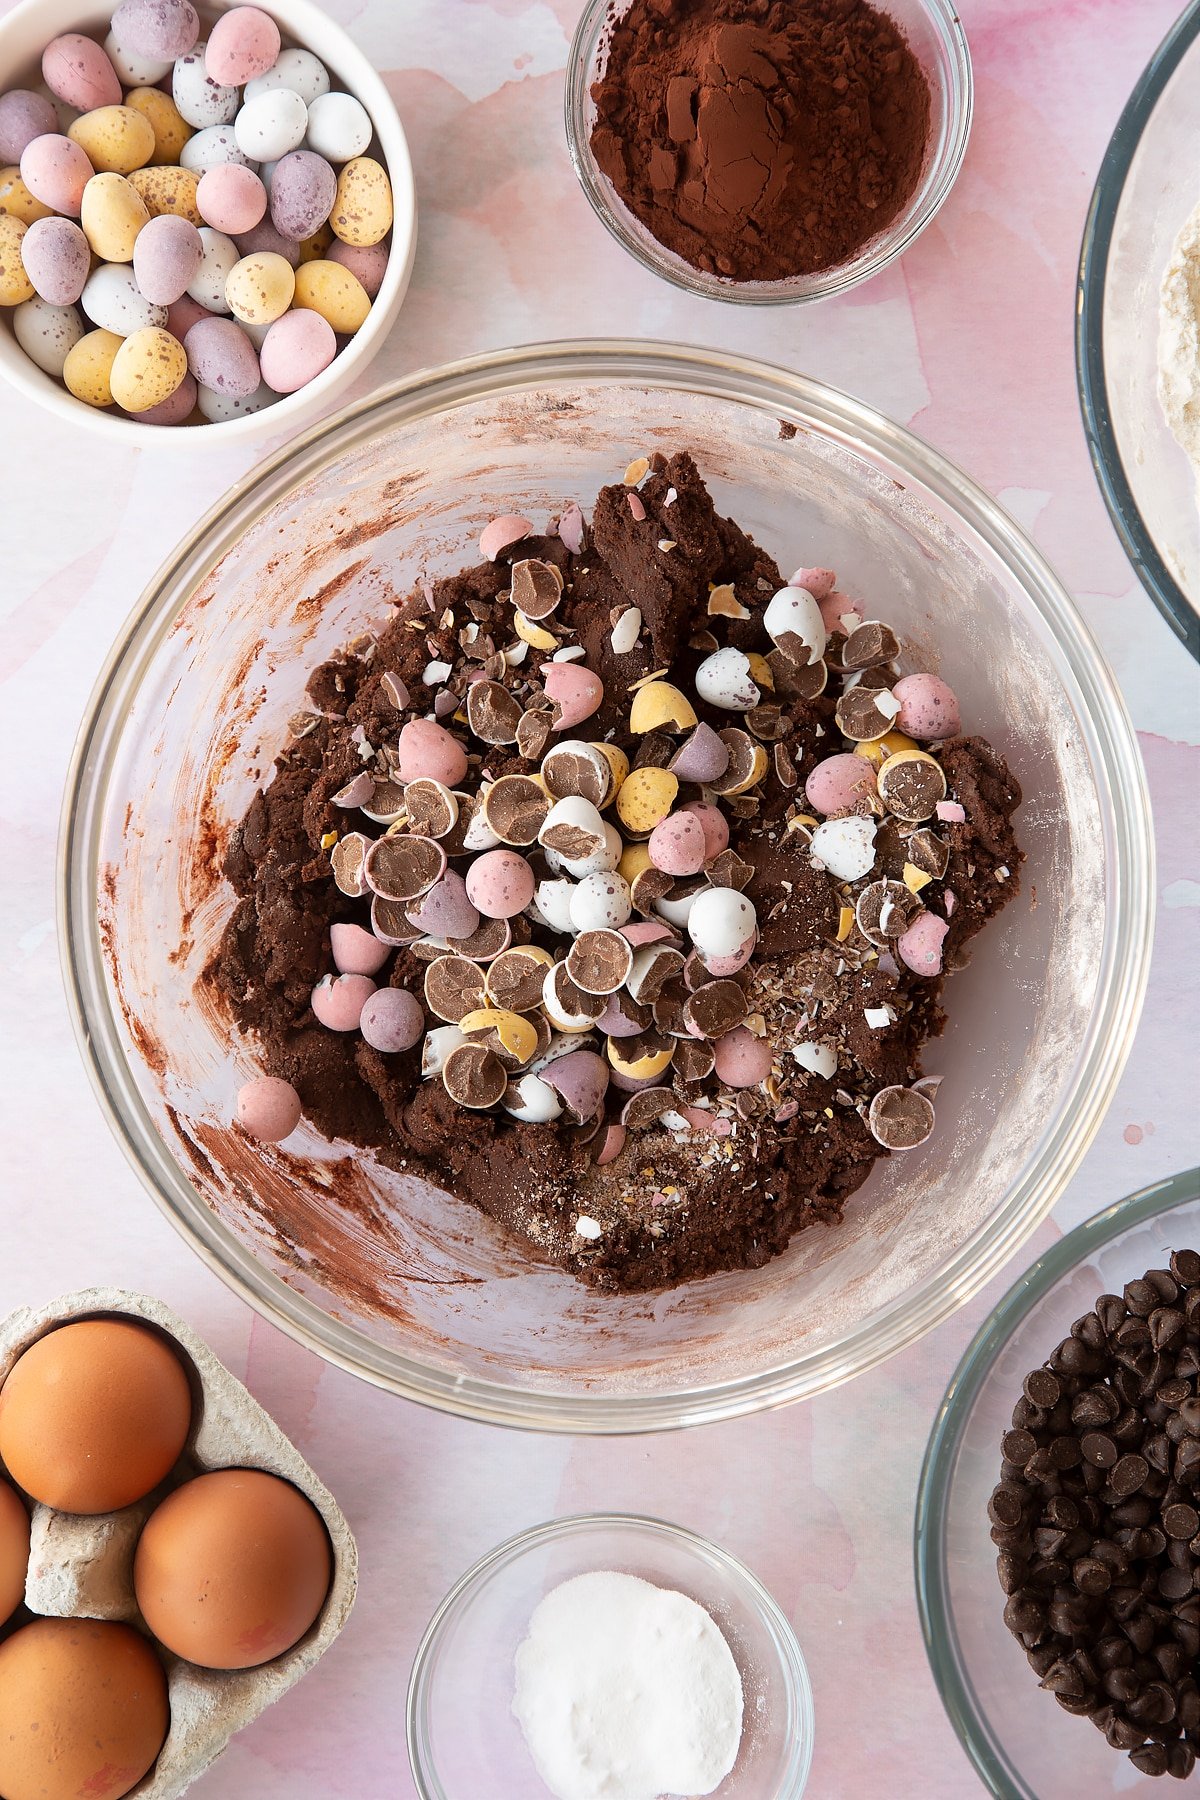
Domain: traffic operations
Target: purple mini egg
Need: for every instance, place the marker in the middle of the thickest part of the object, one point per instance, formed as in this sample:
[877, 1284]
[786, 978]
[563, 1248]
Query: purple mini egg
[231, 198]
[392, 1020]
[355, 951]
[57, 260]
[839, 783]
[159, 29]
[338, 1000]
[221, 357]
[446, 910]
[243, 44]
[176, 409]
[76, 71]
[303, 189]
[367, 262]
[56, 171]
[24, 116]
[580, 1079]
[296, 349]
[267, 1108]
[184, 313]
[264, 238]
[166, 255]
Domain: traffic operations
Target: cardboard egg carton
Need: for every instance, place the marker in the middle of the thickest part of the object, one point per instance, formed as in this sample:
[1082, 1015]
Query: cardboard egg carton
[83, 1567]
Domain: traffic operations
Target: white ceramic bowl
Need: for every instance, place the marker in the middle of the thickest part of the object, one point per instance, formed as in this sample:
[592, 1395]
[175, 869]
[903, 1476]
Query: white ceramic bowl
[24, 34]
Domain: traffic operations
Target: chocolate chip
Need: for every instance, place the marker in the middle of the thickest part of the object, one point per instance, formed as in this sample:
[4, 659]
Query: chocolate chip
[401, 867]
[1181, 1520]
[1017, 1447]
[598, 962]
[900, 1118]
[864, 714]
[868, 645]
[1185, 1267]
[536, 588]
[454, 987]
[474, 1077]
[714, 1009]
[728, 870]
[1128, 1475]
[515, 809]
[1042, 1388]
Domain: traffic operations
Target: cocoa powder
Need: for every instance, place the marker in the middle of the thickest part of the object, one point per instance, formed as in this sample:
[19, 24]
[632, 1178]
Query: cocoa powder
[761, 139]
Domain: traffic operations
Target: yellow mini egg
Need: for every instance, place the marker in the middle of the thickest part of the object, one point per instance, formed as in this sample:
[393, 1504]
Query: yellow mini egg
[760, 671]
[362, 206]
[339, 296]
[618, 762]
[628, 1056]
[15, 285]
[112, 214]
[147, 369]
[167, 190]
[88, 368]
[634, 859]
[879, 749]
[512, 1037]
[260, 288]
[536, 636]
[659, 706]
[115, 139]
[16, 200]
[645, 799]
[171, 130]
[755, 773]
[314, 247]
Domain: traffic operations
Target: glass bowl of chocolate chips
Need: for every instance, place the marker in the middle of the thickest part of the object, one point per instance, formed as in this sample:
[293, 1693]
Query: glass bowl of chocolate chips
[1058, 1519]
[516, 933]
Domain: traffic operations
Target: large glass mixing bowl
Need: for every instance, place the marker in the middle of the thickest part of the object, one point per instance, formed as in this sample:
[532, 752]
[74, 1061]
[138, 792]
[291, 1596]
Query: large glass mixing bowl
[390, 1278]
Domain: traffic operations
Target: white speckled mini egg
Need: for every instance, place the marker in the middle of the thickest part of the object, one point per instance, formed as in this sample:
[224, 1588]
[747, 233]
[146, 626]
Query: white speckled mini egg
[794, 611]
[299, 70]
[201, 100]
[111, 299]
[47, 333]
[221, 257]
[267, 128]
[600, 902]
[217, 408]
[720, 921]
[724, 680]
[845, 847]
[209, 148]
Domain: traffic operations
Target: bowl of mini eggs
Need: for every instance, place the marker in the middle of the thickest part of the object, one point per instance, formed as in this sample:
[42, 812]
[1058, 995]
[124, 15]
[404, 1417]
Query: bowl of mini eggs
[207, 218]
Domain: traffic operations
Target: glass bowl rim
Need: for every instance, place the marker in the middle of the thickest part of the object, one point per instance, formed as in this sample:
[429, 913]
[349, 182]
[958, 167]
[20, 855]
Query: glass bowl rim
[768, 1609]
[967, 1382]
[890, 244]
[1102, 721]
[1136, 541]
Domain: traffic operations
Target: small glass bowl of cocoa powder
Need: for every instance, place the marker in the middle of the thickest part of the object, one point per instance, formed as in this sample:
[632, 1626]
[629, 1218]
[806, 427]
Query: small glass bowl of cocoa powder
[768, 152]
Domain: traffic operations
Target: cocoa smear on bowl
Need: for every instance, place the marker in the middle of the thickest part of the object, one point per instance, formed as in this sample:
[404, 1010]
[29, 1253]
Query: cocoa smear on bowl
[761, 139]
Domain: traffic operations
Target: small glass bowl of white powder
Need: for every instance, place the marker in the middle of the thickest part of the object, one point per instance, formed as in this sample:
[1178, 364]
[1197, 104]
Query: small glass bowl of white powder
[548, 1674]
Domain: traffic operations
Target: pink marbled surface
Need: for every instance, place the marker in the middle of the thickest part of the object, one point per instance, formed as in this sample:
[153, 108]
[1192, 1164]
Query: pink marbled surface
[969, 341]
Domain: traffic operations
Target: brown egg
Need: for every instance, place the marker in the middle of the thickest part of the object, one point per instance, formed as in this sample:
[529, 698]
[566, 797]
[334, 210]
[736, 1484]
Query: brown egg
[94, 1415]
[83, 1710]
[232, 1569]
[14, 1551]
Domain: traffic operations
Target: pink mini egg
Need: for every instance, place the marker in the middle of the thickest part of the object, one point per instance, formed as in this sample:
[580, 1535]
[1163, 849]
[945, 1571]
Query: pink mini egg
[428, 751]
[268, 1109]
[355, 951]
[713, 824]
[167, 252]
[264, 237]
[951, 812]
[367, 262]
[612, 1144]
[338, 1000]
[648, 931]
[392, 1020]
[820, 583]
[743, 1060]
[176, 409]
[230, 197]
[509, 529]
[158, 29]
[500, 884]
[839, 783]
[303, 190]
[243, 43]
[56, 171]
[577, 690]
[221, 357]
[729, 965]
[702, 1118]
[24, 116]
[184, 313]
[633, 1084]
[835, 607]
[57, 259]
[677, 846]
[615, 1023]
[296, 349]
[920, 949]
[928, 708]
[76, 70]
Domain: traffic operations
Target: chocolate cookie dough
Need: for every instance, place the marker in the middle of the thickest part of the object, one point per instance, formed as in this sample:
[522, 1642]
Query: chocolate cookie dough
[676, 956]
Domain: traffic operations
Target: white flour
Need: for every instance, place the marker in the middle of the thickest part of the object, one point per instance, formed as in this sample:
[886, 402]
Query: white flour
[626, 1691]
[1179, 340]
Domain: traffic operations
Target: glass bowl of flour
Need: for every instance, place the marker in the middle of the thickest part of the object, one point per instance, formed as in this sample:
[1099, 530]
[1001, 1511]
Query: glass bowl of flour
[609, 1655]
[1138, 328]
